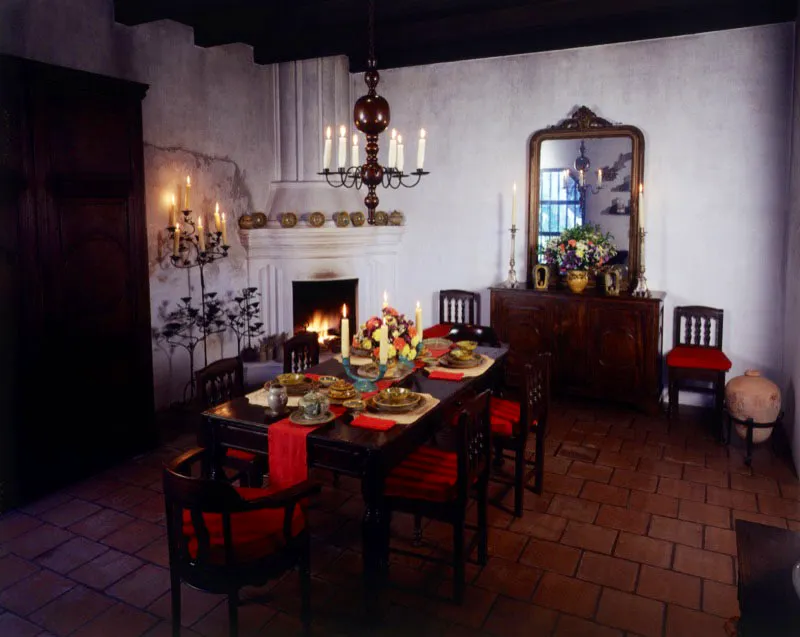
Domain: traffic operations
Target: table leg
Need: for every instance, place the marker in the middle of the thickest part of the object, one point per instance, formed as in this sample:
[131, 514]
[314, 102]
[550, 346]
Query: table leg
[374, 542]
[214, 469]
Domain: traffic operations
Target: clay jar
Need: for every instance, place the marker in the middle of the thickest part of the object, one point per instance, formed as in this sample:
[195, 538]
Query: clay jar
[753, 396]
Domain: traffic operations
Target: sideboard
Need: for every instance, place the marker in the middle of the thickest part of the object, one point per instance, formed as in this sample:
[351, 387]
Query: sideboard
[602, 347]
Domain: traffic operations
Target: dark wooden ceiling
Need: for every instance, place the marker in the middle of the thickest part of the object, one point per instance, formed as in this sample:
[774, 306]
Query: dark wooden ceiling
[410, 32]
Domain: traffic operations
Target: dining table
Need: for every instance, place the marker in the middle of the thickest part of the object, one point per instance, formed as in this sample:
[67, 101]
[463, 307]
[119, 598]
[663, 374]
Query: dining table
[366, 454]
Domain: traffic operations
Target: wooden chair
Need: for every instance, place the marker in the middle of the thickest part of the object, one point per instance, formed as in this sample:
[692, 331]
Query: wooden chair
[511, 421]
[459, 306]
[300, 352]
[436, 484]
[217, 383]
[482, 334]
[697, 356]
[221, 538]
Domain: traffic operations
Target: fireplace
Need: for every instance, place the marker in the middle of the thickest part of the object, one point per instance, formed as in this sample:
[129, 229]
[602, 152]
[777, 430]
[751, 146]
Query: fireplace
[317, 306]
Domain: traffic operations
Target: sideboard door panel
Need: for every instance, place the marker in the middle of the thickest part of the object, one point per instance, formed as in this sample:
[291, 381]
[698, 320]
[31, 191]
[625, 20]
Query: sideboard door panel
[616, 358]
[527, 327]
[570, 369]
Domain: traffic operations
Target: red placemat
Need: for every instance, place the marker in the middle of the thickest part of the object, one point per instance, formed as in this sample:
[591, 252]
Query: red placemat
[439, 375]
[288, 459]
[368, 422]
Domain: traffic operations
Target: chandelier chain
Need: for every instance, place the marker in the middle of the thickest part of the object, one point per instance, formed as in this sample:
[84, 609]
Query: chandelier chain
[371, 28]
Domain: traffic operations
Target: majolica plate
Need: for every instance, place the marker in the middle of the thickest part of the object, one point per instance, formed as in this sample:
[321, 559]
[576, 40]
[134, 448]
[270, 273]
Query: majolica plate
[378, 408]
[437, 343]
[299, 418]
[473, 361]
[396, 397]
[288, 219]
[316, 219]
[291, 379]
[342, 219]
[357, 218]
[259, 220]
[381, 218]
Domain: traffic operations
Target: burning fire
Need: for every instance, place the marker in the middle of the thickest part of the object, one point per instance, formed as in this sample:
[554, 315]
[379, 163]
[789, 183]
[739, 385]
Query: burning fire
[321, 324]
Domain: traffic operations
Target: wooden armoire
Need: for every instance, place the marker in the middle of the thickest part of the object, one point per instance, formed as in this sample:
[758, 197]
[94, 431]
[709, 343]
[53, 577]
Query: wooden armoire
[76, 389]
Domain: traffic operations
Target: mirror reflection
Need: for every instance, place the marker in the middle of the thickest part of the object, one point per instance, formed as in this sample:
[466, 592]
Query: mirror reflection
[586, 181]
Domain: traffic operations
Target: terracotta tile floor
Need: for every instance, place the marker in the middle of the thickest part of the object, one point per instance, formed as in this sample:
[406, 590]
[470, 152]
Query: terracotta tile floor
[633, 536]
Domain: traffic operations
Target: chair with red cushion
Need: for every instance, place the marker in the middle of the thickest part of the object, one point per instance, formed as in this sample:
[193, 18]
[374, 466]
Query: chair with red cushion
[437, 484]
[222, 537]
[696, 355]
[511, 420]
[217, 383]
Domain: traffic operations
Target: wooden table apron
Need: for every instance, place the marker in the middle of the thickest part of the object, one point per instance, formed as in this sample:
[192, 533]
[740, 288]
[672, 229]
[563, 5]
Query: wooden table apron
[363, 453]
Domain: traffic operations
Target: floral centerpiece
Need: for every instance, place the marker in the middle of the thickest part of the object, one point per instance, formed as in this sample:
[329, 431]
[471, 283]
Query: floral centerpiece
[401, 333]
[578, 250]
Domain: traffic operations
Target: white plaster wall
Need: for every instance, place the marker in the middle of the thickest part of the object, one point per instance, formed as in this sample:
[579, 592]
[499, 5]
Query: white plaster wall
[208, 112]
[791, 360]
[715, 111]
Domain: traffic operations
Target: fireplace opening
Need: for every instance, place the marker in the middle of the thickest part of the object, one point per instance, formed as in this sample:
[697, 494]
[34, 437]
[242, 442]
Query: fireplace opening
[317, 307]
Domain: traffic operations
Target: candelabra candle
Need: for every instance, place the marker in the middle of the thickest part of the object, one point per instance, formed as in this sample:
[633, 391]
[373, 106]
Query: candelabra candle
[401, 158]
[392, 163]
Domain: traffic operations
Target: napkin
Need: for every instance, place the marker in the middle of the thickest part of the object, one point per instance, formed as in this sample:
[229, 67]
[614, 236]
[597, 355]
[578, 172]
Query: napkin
[368, 422]
[440, 375]
[437, 353]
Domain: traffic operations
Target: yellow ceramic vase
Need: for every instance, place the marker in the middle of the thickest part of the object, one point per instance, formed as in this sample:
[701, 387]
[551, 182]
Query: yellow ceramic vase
[577, 280]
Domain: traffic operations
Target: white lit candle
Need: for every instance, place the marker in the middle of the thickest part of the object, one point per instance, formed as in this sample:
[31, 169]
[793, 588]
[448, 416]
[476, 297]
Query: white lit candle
[599, 177]
[514, 205]
[217, 221]
[580, 178]
[342, 147]
[201, 235]
[345, 333]
[418, 320]
[173, 219]
[186, 193]
[385, 299]
[393, 149]
[224, 231]
[401, 155]
[354, 153]
[641, 205]
[326, 155]
[421, 149]
[176, 246]
[383, 353]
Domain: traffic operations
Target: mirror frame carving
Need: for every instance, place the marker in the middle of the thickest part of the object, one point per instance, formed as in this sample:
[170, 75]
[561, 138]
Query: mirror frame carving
[583, 124]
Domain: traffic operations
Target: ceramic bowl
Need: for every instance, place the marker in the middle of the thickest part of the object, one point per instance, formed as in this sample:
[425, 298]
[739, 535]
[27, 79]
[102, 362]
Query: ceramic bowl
[357, 218]
[461, 354]
[467, 345]
[291, 379]
[327, 381]
[355, 404]
[396, 396]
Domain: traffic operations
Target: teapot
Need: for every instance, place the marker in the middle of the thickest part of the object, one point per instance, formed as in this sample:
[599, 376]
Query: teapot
[277, 397]
[313, 404]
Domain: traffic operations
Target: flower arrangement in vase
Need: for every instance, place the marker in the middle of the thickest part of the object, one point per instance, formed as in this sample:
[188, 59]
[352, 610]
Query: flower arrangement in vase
[579, 250]
[401, 336]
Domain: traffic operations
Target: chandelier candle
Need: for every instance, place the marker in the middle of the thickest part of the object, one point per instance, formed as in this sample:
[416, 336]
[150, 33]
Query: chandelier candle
[599, 177]
[393, 149]
[217, 221]
[176, 246]
[201, 235]
[186, 193]
[172, 218]
[326, 155]
[342, 148]
[224, 231]
[345, 333]
[401, 158]
[354, 153]
[421, 149]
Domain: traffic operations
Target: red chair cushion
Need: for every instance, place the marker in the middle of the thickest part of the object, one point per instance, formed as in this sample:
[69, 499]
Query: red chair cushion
[246, 456]
[256, 534]
[440, 330]
[698, 358]
[426, 474]
[504, 415]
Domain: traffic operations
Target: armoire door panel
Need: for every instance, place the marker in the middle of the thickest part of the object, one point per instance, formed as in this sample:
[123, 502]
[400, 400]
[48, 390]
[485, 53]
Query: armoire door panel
[617, 361]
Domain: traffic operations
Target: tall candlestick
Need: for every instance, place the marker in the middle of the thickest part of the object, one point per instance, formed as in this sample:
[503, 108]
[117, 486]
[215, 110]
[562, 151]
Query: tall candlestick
[201, 235]
[421, 149]
[326, 155]
[599, 177]
[401, 156]
[186, 193]
[418, 321]
[354, 153]
[383, 352]
[217, 224]
[393, 149]
[345, 333]
[385, 299]
[224, 231]
[176, 246]
[641, 205]
[514, 204]
[342, 147]
[173, 219]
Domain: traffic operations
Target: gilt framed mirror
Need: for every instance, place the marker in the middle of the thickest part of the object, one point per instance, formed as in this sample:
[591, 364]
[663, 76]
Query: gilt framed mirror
[586, 171]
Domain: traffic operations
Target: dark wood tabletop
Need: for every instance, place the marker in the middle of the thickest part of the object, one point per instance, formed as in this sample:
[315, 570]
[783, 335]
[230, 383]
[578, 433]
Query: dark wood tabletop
[768, 601]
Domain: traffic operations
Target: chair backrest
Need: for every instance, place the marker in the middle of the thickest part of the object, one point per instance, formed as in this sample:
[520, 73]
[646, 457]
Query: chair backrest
[473, 438]
[301, 352]
[535, 404]
[698, 326]
[483, 334]
[220, 381]
[459, 306]
[184, 492]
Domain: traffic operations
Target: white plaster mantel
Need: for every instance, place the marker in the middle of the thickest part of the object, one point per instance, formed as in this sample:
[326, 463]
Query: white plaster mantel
[278, 256]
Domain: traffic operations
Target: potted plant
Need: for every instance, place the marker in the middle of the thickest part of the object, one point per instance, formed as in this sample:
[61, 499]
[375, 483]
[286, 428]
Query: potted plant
[579, 251]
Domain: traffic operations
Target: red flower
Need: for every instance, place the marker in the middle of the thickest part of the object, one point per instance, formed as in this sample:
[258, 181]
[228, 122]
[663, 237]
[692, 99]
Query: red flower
[412, 331]
[399, 343]
[376, 352]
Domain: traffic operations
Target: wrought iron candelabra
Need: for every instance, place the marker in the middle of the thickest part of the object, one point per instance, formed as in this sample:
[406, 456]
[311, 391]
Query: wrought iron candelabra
[511, 281]
[641, 289]
[193, 252]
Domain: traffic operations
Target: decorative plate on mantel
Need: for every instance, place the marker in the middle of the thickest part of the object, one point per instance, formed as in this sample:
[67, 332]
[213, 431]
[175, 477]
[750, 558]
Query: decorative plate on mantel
[316, 219]
[357, 218]
[381, 218]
